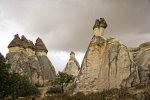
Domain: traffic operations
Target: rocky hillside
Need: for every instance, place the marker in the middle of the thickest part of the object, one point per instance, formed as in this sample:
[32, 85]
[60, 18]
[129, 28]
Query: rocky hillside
[31, 60]
[72, 66]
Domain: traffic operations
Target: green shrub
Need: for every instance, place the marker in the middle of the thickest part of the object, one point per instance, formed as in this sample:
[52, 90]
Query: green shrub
[54, 89]
[28, 91]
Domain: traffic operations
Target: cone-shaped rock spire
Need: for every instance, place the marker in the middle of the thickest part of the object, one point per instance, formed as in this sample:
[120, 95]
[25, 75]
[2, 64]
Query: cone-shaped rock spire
[72, 67]
[16, 42]
[27, 43]
[40, 46]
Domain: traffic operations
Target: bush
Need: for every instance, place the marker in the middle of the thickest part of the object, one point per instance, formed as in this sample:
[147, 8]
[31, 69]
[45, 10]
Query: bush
[21, 86]
[54, 89]
[28, 91]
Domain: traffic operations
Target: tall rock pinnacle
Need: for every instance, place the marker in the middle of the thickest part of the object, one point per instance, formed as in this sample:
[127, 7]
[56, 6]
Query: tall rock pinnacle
[72, 67]
[47, 68]
[105, 64]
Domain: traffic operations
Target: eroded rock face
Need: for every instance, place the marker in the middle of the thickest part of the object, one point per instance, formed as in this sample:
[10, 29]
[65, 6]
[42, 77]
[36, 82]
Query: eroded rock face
[72, 67]
[25, 65]
[25, 60]
[141, 58]
[105, 65]
[47, 69]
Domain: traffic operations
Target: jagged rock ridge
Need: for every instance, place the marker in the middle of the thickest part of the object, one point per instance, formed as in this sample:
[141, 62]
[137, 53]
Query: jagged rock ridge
[72, 66]
[31, 60]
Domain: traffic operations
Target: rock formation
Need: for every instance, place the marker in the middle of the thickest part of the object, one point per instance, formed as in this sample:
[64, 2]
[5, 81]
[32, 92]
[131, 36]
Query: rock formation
[48, 71]
[141, 59]
[29, 59]
[72, 67]
[106, 63]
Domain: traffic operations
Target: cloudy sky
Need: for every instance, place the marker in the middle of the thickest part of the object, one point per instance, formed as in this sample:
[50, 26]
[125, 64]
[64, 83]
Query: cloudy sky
[66, 25]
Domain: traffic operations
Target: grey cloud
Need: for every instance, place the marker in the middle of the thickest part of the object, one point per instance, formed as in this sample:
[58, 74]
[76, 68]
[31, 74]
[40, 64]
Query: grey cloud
[67, 24]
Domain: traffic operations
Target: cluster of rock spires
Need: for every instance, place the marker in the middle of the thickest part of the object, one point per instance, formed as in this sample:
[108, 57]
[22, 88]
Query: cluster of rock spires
[72, 66]
[107, 64]
[31, 60]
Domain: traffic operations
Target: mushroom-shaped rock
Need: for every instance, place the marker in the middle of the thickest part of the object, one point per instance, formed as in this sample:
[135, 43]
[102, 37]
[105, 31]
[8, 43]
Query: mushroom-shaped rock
[103, 23]
[99, 27]
[40, 46]
[16, 42]
[106, 63]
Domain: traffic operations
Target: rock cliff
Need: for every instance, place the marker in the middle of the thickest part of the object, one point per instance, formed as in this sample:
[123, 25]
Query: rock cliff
[141, 59]
[106, 63]
[72, 67]
[29, 59]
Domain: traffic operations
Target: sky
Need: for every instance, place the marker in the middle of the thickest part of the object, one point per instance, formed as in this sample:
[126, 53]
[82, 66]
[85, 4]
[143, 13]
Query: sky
[66, 25]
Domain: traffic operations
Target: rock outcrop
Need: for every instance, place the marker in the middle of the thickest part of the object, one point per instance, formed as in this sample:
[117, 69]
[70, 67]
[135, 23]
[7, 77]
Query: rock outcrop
[72, 67]
[29, 59]
[106, 63]
[141, 59]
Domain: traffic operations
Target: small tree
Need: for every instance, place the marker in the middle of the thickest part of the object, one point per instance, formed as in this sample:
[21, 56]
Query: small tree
[21, 86]
[13, 83]
[4, 77]
[63, 79]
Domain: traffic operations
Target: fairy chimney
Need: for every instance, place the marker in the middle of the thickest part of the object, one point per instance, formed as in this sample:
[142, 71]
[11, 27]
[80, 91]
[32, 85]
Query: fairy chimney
[40, 48]
[16, 44]
[99, 27]
[72, 66]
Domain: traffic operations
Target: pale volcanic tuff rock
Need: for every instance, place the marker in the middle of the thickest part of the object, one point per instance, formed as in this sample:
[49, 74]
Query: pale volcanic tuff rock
[25, 65]
[24, 59]
[72, 66]
[141, 59]
[106, 63]
[48, 71]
